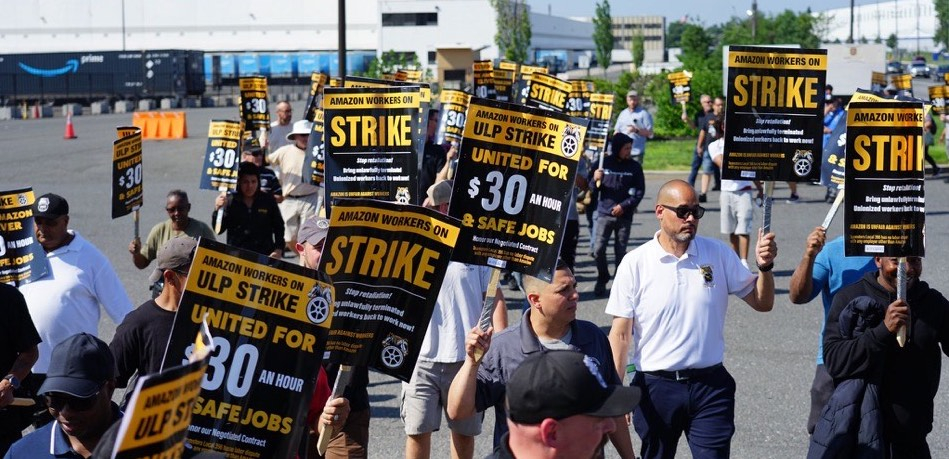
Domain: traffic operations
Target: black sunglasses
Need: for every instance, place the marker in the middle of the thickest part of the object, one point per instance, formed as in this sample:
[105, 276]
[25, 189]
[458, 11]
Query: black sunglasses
[683, 212]
[58, 401]
[180, 208]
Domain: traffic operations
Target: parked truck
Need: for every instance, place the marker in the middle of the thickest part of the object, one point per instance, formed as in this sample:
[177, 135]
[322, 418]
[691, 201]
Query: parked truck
[87, 76]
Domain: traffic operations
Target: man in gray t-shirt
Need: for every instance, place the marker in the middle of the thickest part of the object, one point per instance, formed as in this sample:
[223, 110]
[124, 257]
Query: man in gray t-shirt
[635, 122]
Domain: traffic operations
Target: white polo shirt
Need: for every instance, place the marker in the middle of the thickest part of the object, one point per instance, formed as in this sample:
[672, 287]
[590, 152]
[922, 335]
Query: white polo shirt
[66, 301]
[678, 305]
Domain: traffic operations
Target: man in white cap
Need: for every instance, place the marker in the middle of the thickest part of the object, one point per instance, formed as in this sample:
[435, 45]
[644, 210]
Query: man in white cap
[457, 309]
[301, 198]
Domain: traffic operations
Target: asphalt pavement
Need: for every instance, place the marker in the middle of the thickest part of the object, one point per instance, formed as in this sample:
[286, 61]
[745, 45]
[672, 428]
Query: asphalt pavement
[771, 355]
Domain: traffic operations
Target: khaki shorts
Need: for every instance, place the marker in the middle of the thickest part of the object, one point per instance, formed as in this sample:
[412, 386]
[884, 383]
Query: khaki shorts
[424, 398]
[738, 211]
[295, 210]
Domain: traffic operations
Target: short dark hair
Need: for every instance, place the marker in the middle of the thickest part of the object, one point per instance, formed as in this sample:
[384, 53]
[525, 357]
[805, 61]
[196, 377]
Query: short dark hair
[180, 194]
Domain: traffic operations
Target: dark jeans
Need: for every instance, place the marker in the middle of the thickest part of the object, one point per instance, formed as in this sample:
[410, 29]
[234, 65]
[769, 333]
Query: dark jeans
[696, 164]
[702, 407]
[821, 390]
[606, 225]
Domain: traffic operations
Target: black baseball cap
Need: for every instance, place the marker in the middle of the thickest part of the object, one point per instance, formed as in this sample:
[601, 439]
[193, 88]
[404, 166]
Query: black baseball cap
[50, 206]
[78, 366]
[559, 383]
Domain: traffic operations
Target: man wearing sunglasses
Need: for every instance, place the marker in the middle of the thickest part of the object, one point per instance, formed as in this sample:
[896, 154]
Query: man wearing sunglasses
[668, 300]
[178, 224]
[78, 391]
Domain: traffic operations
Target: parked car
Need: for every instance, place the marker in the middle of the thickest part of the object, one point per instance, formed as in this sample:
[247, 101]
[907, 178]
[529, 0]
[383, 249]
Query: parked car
[940, 72]
[919, 70]
[894, 67]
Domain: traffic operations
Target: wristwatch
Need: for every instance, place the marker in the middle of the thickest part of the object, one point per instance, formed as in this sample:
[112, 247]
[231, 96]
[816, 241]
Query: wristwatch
[14, 381]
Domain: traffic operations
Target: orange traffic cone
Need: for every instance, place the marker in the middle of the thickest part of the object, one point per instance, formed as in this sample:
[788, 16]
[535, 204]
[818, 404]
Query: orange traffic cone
[70, 131]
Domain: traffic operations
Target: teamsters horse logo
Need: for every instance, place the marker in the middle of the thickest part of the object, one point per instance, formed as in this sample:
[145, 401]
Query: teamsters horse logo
[394, 349]
[803, 162]
[402, 195]
[318, 305]
[570, 144]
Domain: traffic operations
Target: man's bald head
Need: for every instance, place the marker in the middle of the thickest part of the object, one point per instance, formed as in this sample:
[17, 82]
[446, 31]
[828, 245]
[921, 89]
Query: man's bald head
[675, 192]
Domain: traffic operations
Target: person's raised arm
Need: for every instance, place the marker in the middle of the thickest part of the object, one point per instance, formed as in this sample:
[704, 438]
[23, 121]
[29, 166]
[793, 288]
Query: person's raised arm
[762, 297]
[461, 394]
[802, 281]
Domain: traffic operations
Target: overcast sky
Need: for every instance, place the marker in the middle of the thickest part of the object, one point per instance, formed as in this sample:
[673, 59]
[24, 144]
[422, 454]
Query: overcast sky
[707, 12]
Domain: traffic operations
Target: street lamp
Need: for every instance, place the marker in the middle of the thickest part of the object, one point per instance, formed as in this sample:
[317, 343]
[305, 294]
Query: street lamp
[753, 13]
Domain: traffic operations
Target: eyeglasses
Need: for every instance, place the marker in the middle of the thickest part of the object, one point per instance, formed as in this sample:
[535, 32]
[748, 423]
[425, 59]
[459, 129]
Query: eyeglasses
[254, 152]
[683, 212]
[58, 401]
[178, 208]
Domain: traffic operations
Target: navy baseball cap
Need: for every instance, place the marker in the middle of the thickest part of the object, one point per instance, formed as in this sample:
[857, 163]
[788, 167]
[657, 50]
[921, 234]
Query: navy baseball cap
[78, 366]
[558, 384]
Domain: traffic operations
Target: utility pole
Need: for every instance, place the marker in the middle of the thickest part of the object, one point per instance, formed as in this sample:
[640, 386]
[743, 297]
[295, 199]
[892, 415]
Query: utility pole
[850, 37]
[342, 38]
[754, 21]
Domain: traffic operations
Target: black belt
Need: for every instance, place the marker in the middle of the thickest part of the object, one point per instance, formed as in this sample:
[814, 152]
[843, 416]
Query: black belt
[298, 196]
[684, 375]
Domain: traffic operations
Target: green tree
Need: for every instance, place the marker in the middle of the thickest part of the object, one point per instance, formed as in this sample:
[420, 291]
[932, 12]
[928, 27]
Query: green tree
[603, 34]
[674, 33]
[787, 27]
[942, 22]
[638, 49]
[514, 29]
[390, 62]
[696, 47]
[892, 42]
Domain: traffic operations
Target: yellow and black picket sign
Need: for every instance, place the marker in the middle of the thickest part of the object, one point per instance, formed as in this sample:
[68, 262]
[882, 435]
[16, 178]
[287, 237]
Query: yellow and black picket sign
[317, 82]
[601, 110]
[387, 262]
[937, 96]
[22, 258]
[255, 112]
[679, 86]
[903, 81]
[127, 183]
[578, 102]
[885, 201]
[269, 319]
[158, 415]
[877, 81]
[504, 75]
[451, 120]
[425, 101]
[522, 83]
[774, 115]
[313, 167]
[547, 92]
[370, 143]
[222, 156]
[483, 79]
[409, 75]
[515, 177]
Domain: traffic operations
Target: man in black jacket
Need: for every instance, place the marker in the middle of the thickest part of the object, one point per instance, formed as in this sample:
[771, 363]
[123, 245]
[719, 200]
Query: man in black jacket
[908, 376]
[621, 186]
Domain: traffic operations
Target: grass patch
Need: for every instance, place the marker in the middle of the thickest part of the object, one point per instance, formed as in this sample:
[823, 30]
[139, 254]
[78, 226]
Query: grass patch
[669, 155]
